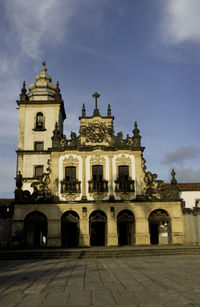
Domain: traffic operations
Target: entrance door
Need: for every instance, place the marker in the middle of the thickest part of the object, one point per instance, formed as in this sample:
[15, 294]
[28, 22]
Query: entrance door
[126, 228]
[97, 234]
[70, 229]
[35, 226]
[98, 222]
[123, 233]
[154, 236]
[69, 234]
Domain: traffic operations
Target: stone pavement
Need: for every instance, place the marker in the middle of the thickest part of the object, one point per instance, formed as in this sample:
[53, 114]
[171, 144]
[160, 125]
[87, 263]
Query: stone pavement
[134, 281]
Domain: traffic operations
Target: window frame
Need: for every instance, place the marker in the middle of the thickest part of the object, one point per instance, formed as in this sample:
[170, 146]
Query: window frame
[73, 173]
[37, 143]
[37, 166]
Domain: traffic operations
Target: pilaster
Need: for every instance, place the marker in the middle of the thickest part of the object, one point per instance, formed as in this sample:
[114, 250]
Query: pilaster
[84, 197]
[54, 233]
[112, 237]
[84, 239]
[142, 236]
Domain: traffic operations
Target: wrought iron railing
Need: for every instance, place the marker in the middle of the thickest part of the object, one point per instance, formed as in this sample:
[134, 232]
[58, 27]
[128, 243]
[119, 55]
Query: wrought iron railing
[122, 185]
[70, 186]
[98, 186]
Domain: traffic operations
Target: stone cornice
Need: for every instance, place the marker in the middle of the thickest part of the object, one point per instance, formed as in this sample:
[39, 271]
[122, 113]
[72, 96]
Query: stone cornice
[33, 152]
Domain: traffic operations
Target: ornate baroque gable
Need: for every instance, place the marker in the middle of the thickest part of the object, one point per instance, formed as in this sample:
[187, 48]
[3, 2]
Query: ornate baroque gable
[97, 131]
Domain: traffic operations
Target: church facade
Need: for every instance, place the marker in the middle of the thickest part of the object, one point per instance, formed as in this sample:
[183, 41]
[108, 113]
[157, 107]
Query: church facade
[90, 190]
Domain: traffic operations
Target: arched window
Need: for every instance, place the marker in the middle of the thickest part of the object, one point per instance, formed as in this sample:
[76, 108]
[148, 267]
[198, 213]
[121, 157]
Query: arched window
[39, 121]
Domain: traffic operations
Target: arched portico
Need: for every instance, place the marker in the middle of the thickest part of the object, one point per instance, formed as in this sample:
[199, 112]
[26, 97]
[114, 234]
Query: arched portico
[160, 227]
[98, 228]
[35, 229]
[70, 229]
[126, 228]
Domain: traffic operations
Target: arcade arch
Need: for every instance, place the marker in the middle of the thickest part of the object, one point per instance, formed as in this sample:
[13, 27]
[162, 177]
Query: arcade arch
[126, 228]
[98, 228]
[70, 229]
[159, 227]
[35, 229]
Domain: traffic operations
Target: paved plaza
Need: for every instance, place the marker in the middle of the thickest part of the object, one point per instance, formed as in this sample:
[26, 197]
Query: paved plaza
[133, 281]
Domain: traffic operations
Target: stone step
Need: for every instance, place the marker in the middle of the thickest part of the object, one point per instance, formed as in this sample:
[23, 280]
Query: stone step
[104, 252]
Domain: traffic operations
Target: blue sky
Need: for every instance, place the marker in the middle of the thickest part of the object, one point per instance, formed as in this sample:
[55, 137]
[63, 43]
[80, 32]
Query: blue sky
[142, 56]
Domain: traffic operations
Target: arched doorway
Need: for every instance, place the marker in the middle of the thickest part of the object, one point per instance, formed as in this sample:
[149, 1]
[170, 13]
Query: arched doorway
[98, 222]
[35, 229]
[70, 229]
[126, 228]
[159, 227]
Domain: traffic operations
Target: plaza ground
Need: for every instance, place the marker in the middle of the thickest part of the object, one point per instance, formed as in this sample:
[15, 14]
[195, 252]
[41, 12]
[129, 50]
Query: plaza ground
[128, 281]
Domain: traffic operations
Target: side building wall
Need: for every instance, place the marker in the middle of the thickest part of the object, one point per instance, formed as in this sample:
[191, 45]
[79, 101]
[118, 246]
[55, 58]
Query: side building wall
[191, 220]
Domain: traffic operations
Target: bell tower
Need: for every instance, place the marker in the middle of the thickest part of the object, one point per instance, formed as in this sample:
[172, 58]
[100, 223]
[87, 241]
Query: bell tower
[39, 111]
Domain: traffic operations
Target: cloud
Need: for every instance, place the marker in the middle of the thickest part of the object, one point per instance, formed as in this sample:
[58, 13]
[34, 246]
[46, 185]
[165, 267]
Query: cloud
[181, 22]
[71, 124]
[181, 154]
[38, 23]
[188, 175]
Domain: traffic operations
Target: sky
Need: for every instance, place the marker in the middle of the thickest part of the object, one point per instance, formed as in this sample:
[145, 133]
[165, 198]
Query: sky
[142, 56]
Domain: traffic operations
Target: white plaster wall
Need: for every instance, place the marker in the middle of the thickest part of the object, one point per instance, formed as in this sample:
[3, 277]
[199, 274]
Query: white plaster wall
[27, 116]
[189, 197]
[29, 161]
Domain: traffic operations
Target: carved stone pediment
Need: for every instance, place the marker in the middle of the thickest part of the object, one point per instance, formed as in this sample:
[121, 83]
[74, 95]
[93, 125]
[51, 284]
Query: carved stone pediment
[125, 217]
[97, 158]
[70, 160]
[71, 218]
[98, 218]
[123, 159]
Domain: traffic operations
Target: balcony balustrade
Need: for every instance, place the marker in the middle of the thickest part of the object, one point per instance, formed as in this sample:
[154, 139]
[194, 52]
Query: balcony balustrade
[98, 186]
[70, 186]
[122, 185]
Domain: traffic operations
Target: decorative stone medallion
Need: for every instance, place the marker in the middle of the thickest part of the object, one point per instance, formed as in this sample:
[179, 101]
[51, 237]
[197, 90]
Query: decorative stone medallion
[96, 133]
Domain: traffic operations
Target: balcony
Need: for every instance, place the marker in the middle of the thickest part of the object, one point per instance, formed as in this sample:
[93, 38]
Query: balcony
[98, 186]
[122, 185]
[70, 186]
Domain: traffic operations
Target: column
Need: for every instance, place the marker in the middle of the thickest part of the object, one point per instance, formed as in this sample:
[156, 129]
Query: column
[142, 236]
[84, 237]
[112, 236]
[54, 233]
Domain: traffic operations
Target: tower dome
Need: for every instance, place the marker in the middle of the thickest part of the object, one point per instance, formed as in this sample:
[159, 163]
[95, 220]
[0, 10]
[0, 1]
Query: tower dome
[42, 88]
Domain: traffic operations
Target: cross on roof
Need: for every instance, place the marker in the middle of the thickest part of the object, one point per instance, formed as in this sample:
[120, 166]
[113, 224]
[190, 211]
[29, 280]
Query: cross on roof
[96, 96]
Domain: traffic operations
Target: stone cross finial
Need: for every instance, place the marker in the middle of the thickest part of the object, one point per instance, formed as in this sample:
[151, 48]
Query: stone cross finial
[173, 180]
[44, 66]
[96, 96]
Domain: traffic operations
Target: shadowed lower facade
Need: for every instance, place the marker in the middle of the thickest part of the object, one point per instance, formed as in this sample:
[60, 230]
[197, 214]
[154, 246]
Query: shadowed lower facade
[90, 190]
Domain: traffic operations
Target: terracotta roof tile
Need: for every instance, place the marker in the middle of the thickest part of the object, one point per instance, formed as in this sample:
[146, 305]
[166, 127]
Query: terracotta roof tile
[195, 186]
[5, 201]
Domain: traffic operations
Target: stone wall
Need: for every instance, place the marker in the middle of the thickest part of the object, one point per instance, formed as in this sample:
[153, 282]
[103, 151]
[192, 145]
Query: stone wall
[191, 220]
[5, 232]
